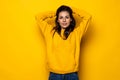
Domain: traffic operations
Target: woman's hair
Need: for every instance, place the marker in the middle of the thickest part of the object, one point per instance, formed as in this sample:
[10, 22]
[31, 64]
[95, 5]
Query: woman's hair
[70, 28]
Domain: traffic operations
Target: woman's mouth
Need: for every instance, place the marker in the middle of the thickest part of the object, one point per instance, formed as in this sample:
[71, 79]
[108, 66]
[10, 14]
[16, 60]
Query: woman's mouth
[64, 24]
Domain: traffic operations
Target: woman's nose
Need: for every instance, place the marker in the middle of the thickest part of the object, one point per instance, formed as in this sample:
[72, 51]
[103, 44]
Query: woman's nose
[64, 19]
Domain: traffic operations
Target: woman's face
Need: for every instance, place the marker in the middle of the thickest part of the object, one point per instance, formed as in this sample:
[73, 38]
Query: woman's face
[64, 19]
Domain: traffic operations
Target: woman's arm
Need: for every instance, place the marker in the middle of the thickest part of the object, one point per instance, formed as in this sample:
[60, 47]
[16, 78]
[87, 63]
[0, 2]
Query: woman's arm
[84, 20]
[43, 21]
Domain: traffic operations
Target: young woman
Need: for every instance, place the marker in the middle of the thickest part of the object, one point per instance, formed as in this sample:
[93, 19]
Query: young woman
[63, 31]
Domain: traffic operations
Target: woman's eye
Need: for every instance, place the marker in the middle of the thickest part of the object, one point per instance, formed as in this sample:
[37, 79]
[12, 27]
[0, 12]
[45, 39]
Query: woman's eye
[60, 17]
[67, 17]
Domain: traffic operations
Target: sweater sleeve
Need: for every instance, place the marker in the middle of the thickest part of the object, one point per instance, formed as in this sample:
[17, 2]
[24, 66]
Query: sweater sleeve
[42, 21]
[84, 22]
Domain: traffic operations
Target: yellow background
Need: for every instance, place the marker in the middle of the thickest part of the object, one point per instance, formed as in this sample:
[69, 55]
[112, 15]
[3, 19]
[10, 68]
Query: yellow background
[22, 53]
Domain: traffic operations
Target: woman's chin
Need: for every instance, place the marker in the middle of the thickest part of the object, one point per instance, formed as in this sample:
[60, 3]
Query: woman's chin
[64, 27]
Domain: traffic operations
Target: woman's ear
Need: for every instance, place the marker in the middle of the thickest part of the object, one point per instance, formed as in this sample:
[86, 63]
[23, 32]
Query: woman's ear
[57, 21]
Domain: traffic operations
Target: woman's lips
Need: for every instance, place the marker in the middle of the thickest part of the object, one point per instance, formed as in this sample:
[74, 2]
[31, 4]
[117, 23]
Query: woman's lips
[64, 24]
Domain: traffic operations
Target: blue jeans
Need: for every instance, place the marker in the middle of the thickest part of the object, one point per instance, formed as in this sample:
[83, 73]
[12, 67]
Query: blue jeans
[68, 76]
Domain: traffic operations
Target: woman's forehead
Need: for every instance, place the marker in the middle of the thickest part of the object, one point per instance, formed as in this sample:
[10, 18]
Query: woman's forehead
[64, 13]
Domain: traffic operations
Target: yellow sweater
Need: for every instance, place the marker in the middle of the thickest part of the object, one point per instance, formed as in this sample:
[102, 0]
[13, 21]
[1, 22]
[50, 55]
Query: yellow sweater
[63, 55]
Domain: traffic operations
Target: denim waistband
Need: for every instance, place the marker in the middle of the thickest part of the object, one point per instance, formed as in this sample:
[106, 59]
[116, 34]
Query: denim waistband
[65, 73]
